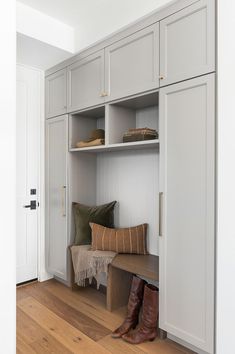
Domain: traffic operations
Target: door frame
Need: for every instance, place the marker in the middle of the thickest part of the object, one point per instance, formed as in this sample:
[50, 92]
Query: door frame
[41, 268]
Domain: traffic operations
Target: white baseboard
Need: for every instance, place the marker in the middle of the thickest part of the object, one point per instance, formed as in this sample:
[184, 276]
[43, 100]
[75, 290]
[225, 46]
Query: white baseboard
[44, 276]
[185, 344]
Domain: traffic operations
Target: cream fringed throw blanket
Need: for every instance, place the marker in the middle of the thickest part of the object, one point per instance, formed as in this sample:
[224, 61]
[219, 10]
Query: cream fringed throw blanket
[88, 263]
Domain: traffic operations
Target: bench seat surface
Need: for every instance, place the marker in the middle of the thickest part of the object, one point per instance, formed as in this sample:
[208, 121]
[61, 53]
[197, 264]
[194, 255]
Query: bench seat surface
[145, 265]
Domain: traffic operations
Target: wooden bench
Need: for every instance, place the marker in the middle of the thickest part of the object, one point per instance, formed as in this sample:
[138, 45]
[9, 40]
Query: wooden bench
[120, 275]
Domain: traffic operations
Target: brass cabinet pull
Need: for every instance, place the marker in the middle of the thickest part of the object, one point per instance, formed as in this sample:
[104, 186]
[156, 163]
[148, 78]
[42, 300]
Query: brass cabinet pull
[160, 212]
[103, 94]
[63, 200]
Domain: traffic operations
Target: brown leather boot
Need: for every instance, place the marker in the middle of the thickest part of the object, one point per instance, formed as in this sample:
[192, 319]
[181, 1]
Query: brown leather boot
[148, 326]
[133, 307]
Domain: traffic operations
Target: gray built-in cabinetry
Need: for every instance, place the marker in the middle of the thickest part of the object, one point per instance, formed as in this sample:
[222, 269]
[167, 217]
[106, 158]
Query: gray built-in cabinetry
[160, 73]
[56, 196]
[56, 94]
[187, 181]
[132, 64]
[86, 82]
[187, 43]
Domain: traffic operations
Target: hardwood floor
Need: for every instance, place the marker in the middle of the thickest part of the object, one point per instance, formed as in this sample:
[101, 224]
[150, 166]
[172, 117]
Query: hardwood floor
[53, 319]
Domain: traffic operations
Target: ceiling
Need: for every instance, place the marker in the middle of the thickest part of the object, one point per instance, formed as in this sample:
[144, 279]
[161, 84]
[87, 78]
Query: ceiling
[75, 12]
[90, 21]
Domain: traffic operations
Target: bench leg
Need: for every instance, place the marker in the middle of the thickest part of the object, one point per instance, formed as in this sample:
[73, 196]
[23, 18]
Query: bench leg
[118, 288]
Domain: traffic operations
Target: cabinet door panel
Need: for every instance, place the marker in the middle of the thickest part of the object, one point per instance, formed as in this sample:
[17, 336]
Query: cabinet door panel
[56, 94]
[86, 82]
[56, 198]
[187, 43]
[187, 159]
[132, 64]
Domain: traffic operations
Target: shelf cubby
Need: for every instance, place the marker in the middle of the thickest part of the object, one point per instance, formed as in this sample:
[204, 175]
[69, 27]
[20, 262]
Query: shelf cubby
[82, 124]
[115, 118]
[137, 112]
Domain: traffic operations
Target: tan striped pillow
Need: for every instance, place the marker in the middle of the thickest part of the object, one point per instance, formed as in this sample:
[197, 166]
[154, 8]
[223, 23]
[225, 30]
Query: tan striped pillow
[126, 240]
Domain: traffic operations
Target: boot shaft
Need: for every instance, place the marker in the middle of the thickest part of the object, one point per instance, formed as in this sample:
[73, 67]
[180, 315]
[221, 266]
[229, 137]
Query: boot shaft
[136, 295]
[150, 306]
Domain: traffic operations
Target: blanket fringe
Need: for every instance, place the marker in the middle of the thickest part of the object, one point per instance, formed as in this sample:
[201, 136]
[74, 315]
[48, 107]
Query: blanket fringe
[97, 262]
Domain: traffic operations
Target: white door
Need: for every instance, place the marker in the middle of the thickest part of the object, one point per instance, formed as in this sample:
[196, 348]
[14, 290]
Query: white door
[27, 169]
[187, 181]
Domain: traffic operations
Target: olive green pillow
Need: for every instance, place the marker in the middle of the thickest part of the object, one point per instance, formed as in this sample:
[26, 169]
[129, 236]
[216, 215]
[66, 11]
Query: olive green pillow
[83, 215]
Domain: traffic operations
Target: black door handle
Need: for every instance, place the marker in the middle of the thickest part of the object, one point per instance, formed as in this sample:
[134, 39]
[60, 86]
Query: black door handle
[32, 205]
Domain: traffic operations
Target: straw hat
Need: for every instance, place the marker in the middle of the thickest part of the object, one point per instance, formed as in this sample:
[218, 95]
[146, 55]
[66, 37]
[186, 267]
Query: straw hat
[95, 134]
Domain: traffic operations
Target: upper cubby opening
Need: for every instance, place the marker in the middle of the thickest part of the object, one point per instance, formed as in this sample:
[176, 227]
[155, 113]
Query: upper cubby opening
[137, 112]
[82, 124]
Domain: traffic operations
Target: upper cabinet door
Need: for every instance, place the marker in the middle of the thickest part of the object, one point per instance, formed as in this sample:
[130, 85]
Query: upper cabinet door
[187, 43]
[86, 82]
[56, 94]
[187, 180]
[132, 64]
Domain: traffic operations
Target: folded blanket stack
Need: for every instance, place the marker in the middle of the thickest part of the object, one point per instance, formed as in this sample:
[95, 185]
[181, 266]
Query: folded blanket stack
[139, 134]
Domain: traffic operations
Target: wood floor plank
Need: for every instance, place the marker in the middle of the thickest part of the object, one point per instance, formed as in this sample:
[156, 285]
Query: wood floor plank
[161, 346]
[62, 331]
[22, 347]
[179, 347]
[39, 340]
[117, 346]
[48, 316]
[77, 319]
[90, 302]
[21, 293]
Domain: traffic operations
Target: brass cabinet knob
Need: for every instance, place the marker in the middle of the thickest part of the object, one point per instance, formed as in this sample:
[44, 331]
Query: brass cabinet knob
[103, 94]
[161, 77]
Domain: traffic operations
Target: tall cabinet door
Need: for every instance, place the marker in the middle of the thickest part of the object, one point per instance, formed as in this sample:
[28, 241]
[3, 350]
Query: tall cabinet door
[56, 94]
[86, 82]
[132, 64]
[56, 197]
[187, 43]
[187, 183]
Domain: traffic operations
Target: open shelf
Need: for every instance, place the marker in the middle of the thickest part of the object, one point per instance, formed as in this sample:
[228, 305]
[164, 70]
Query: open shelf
[116, 119]
[146, 144]
[137, 112]
[83, 123]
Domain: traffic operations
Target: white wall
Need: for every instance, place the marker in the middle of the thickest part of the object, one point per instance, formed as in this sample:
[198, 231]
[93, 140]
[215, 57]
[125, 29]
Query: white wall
[7, 177]
[106, 17]
[47, 29]
[37, 54]
[226, 179]
[127, 177]
[86, 21]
